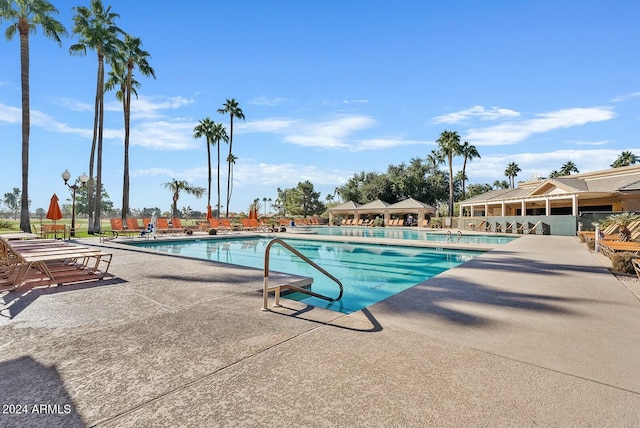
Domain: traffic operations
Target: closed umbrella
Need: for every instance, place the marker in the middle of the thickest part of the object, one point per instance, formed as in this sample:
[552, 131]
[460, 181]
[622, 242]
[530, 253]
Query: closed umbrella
[209, 213]
[54, 213]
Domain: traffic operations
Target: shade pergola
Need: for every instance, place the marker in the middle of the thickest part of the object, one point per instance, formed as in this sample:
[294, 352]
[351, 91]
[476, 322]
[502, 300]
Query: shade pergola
[382, 208]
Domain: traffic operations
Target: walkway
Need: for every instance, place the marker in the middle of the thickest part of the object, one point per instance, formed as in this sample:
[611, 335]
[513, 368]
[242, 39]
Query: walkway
[536, 332]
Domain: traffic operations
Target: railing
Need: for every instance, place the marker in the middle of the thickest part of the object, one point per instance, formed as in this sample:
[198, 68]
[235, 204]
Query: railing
[277, 288]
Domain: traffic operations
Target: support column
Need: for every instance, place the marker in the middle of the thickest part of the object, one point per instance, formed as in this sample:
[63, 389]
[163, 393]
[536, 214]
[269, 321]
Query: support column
[547, 206]
[502, 209]
[486, 209]
[574, 204]
[524, 208]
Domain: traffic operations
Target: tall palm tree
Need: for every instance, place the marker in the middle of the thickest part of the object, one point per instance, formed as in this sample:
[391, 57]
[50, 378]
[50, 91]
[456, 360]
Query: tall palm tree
[449, 145]
[512, 171]
[205, 128]
[177, 186]
[568, 168]
[231, 108]
[96, 29]
[469, 152]
[25, 17]
[219, 135]
[132, 54]
[625, 158]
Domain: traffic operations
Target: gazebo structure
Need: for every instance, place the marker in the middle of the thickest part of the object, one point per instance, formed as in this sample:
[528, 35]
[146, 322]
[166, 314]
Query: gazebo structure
[381, 208]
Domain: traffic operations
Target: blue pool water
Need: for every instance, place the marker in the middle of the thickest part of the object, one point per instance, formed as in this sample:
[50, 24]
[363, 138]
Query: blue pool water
[412, 234]
[369, 273]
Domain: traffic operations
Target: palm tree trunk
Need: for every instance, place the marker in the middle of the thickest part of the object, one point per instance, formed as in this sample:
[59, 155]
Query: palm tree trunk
[464, 174]
[92, 156]
[450, 185]
[209, 176]
[25, 224]
[229, 166]
[127, 126]
[97, 226]
[218, 208]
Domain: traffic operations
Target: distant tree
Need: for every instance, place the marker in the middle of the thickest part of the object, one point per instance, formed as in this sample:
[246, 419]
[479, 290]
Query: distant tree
[82, 205]
[449, 146]
[25, 17]
[625, 158]
[568, 168]
[469, 152]
[13, 201]
[504, 184]
[302, 200]
[231, 108]
[512, 171]
[478, 189]
[177, 186]
[555, 173]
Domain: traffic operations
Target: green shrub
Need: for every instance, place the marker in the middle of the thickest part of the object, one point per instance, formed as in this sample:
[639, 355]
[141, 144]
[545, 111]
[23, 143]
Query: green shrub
[213, 231]
[621, 262]
[591, 245]
[378, 222]
[6, 224]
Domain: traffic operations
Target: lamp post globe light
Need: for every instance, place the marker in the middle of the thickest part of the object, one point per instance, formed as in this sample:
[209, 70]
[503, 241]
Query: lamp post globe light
[66, 175]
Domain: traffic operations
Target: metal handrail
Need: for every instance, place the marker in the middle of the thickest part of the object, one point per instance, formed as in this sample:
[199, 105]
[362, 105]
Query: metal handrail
[265, 291]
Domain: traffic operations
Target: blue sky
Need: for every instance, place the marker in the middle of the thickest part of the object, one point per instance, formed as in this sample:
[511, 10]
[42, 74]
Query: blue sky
[333, 88]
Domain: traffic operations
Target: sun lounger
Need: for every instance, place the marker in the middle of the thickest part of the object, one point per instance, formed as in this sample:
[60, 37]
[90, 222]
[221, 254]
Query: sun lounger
[608, 248]
[532, 230]
[117, 229]
[133, 225]
[52, 263]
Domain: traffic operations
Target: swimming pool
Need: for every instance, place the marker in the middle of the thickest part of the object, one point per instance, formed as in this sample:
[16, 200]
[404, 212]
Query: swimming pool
[369, 273]
[412, 234]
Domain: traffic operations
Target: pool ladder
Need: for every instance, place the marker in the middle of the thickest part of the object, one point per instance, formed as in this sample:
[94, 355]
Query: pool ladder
[276, 289]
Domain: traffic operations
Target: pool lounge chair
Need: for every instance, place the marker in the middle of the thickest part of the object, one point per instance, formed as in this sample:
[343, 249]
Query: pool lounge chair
[50, 262]
[118, 229]
[532, 230]
[133, 225]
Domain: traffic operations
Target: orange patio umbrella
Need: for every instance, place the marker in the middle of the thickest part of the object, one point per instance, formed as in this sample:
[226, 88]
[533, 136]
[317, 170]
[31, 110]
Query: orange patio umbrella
[209, 213]
[54, 213]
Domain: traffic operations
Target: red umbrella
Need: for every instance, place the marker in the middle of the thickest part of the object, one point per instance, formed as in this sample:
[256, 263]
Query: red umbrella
[54, 213]
[209, 213]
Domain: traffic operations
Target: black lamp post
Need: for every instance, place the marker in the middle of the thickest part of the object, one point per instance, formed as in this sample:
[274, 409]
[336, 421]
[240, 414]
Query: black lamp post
[66, 175]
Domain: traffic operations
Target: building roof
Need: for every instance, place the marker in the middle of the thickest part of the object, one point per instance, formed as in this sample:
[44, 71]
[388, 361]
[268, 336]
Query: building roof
[610, 181]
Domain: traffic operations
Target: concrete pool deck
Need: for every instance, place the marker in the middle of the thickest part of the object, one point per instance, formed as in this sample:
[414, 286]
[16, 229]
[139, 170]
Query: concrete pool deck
[534, 332]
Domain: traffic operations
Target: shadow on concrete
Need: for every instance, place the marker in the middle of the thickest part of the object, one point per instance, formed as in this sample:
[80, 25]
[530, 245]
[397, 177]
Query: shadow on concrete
[33, 394]
[298, 313]
[17, 300]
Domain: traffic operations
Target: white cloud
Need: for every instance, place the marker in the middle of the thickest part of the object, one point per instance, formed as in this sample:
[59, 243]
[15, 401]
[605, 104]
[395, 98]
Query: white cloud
[151, 107]
[625, 97]
[286, 175]
[386, 143]
[478, 112]
[273, 125]
[331, 133]
[265, 101]
[515, 132]
[9, 114]
[363, 101]
[164, 135]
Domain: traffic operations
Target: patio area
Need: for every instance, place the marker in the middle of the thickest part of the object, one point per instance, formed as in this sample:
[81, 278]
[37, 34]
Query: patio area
[536, 332]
